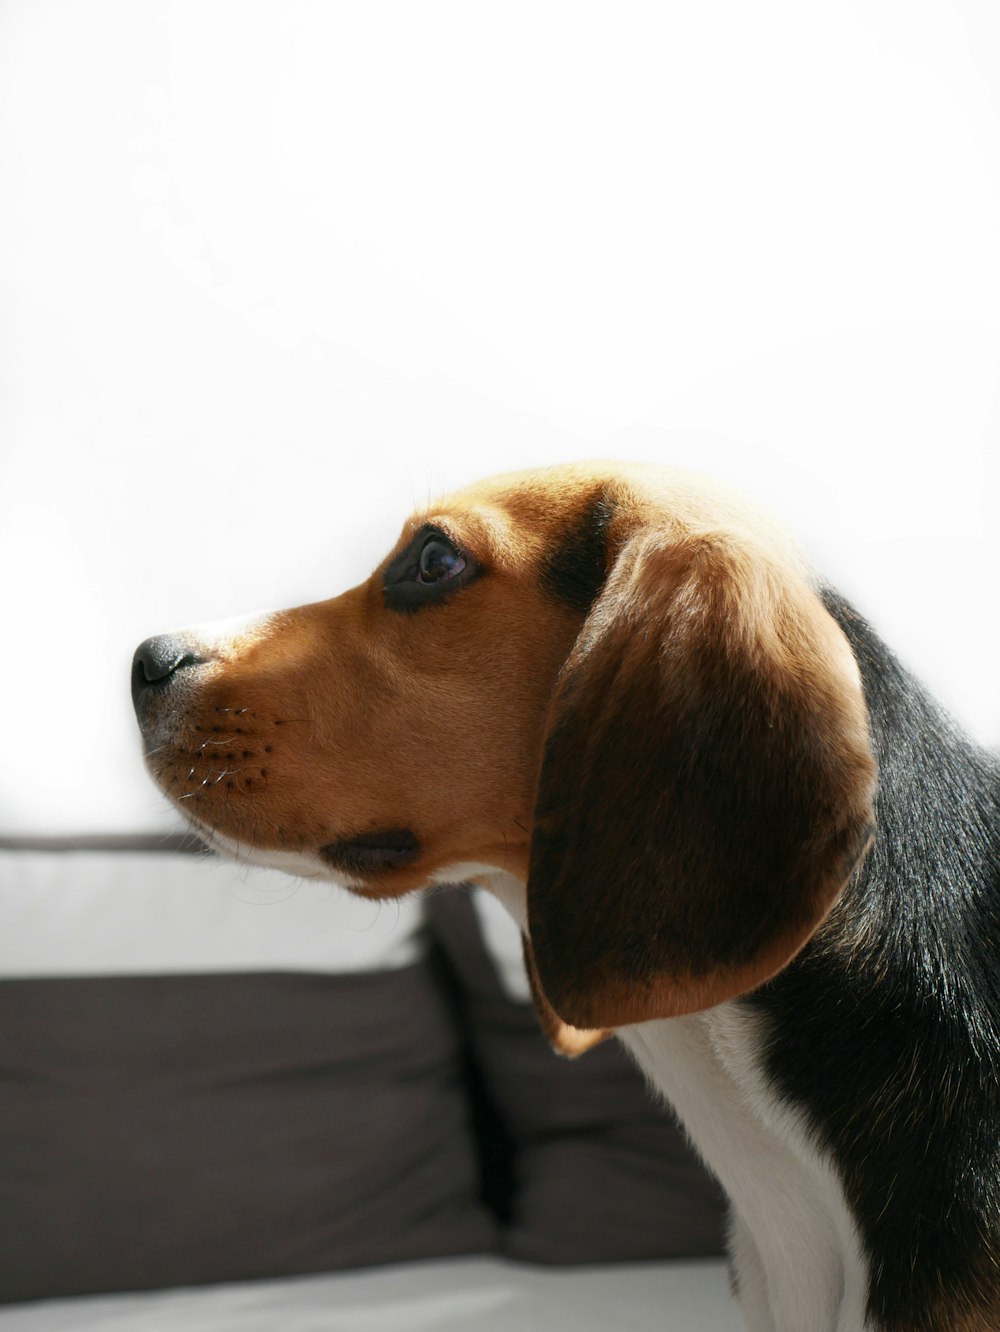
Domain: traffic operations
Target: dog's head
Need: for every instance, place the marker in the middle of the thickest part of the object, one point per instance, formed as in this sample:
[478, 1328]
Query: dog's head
[612, 683]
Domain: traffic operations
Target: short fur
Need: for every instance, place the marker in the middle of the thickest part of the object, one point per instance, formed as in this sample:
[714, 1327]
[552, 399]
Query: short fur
[750, 794]
[635, 716]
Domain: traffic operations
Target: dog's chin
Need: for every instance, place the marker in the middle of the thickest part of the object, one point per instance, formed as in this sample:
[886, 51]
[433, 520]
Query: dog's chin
[299, 864]
[376, 866]
[308, 865]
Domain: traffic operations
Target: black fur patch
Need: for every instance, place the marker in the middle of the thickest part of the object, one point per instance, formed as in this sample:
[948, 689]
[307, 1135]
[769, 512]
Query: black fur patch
[576, 570]
[371, 853]
[886, 1028]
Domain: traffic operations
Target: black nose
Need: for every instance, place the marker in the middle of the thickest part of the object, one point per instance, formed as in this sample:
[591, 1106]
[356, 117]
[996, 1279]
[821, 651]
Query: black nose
[158, 659]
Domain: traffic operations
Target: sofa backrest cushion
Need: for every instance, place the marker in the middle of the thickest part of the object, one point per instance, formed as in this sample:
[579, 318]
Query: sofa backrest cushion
[592, 1167]
[205, 1077]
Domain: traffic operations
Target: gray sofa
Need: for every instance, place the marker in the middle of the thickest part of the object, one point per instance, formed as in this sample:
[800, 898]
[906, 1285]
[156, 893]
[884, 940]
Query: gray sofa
[236, 1100]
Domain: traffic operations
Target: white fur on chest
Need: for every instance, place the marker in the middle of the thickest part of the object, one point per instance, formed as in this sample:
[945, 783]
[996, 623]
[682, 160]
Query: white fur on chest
[793, 1245]
[794, 1248]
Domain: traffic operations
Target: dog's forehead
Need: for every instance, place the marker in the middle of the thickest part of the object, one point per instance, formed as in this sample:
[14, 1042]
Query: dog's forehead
[517, 513]
[543, 502]
[525, 501]
[514, 517]
[548, 495]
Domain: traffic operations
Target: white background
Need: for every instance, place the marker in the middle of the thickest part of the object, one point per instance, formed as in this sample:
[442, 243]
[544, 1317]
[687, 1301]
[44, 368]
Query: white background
[271, 272]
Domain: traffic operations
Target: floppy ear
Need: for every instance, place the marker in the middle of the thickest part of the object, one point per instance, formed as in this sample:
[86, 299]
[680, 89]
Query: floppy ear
[565, 1039]
[706, 786]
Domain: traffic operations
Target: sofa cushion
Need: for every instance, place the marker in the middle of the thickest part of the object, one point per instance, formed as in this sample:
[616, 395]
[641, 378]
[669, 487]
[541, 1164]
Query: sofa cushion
[594, 1169]
[271, 1111]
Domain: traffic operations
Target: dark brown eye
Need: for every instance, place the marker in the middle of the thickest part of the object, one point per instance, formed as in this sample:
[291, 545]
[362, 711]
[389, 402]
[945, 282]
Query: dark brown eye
[438, 561]
[429, 571]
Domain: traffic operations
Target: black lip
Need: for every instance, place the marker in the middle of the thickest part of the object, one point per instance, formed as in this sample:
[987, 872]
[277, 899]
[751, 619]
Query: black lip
[372, 853]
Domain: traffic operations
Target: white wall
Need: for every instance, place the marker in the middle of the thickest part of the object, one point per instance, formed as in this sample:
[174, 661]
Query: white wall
[270, 272]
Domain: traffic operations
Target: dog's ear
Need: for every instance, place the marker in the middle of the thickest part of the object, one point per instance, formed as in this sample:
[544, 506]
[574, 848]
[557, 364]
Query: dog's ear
[565, 1039]
[706, 785]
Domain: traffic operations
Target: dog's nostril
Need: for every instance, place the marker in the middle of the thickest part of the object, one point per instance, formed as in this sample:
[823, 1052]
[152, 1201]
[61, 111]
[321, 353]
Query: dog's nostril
[157, 659]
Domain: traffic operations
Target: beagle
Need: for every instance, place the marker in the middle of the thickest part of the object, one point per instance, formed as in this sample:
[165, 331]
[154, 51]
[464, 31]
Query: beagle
[734, 831]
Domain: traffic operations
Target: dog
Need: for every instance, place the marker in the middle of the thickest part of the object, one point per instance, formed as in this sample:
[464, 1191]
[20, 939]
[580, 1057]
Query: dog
[734, 831]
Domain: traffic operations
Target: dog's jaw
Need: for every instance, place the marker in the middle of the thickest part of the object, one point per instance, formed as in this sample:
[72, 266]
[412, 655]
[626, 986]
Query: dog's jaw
[301, 865]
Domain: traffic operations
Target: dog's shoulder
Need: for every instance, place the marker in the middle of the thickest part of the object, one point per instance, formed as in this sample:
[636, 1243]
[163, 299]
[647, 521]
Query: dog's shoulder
[886, 1028]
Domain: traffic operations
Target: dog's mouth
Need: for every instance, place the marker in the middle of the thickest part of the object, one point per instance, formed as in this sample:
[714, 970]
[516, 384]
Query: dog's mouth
[214, 761]
[233, 768]
[364, 863]
[226, 775]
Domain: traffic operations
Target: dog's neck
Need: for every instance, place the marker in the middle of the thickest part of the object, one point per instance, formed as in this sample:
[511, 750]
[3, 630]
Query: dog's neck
[511, 892]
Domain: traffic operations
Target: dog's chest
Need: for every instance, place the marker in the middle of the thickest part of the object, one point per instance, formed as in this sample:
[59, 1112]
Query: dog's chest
[794, 1248]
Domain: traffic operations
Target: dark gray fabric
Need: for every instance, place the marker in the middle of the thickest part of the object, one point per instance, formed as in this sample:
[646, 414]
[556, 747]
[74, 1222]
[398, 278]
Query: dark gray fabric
[157, 1131]
[599, 1171]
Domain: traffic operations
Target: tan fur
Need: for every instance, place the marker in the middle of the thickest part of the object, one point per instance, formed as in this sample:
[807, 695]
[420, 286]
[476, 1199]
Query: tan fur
[345, 716]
